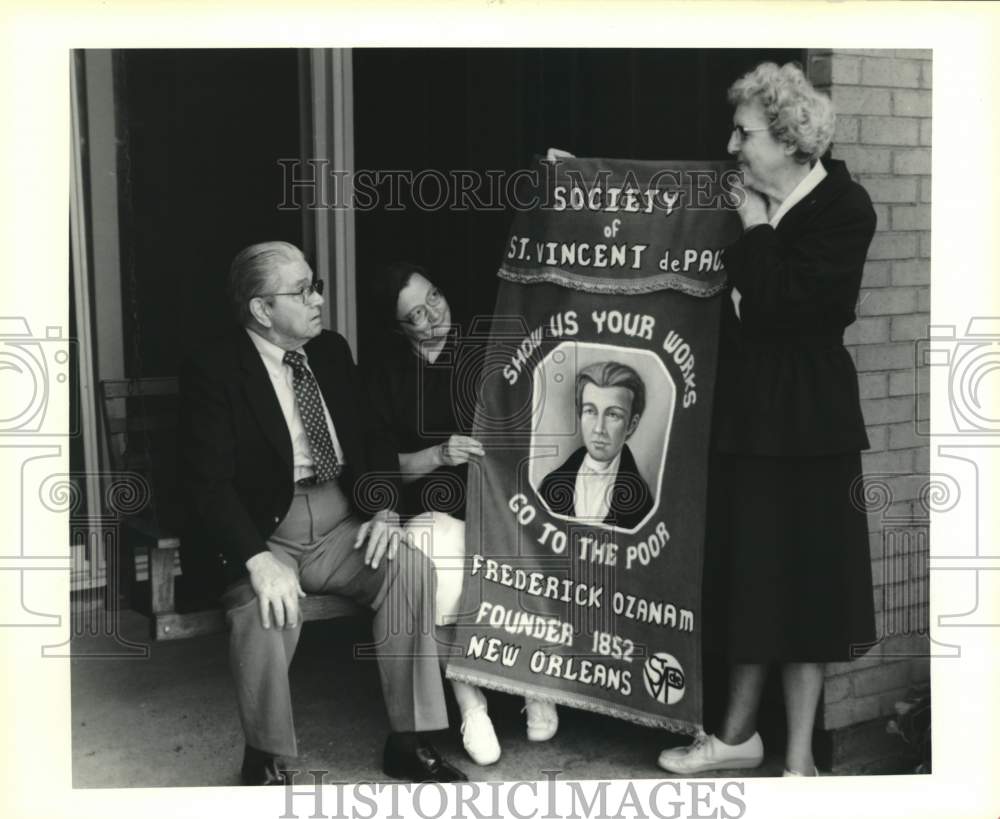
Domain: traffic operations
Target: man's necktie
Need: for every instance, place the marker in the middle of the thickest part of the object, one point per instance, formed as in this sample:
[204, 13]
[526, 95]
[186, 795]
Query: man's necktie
[310, 404]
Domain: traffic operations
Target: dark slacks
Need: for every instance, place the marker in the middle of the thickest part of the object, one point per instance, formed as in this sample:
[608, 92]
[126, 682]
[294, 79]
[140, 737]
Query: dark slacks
[316, 538]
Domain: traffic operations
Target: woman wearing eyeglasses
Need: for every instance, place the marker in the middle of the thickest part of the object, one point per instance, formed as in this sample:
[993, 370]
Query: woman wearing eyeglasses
[788, 568]
[424, 392]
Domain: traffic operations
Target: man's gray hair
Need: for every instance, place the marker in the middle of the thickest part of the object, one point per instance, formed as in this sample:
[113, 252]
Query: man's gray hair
[251, 271]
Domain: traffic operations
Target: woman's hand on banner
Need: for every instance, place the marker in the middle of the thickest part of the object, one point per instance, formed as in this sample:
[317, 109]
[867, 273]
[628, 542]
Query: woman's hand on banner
[459, 449]
[552, 154]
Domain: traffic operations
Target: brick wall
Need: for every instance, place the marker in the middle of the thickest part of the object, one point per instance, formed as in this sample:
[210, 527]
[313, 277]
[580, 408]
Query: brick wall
[883, 103]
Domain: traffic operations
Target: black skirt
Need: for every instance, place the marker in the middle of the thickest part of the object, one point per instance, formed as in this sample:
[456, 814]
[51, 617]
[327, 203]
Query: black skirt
[788, 568]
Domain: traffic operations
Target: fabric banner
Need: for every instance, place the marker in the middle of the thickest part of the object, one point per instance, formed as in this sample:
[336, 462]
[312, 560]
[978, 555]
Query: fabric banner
[586, 519]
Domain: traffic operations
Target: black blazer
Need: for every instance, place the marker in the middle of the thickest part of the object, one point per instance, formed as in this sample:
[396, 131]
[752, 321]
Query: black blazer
[236, 452]
[786, 385]
[631, 500]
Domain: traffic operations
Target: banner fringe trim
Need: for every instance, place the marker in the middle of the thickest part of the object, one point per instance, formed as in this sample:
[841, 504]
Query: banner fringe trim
[573, 701]
[627, 287]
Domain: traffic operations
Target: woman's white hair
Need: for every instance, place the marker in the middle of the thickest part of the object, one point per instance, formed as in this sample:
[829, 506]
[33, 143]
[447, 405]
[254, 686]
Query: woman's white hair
[797, 114]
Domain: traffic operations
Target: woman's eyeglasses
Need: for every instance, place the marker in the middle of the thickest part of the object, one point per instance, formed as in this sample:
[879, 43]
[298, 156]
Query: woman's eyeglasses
[741, 132]
[421, 314]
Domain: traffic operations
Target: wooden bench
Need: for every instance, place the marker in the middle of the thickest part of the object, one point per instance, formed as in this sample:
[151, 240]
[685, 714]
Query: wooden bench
[140, 423]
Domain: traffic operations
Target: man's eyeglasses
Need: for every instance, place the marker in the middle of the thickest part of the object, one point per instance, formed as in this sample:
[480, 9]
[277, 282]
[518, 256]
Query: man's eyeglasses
[741, 132]
[420, 315]
[303, 292]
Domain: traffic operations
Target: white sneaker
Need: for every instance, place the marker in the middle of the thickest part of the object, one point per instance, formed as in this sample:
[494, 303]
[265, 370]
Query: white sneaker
[708, 753]
[543, 720]
[790, 772]
[479, 738]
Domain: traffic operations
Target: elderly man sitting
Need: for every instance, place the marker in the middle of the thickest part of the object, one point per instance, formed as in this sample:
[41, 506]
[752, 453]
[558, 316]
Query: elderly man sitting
[275, 449]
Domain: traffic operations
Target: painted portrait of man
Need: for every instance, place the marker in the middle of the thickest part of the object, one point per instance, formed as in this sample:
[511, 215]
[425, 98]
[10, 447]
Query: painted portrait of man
[600, 481]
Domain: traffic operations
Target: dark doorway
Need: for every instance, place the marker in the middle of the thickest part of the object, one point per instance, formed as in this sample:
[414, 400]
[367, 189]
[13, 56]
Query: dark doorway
[200, 133]
[492, 110]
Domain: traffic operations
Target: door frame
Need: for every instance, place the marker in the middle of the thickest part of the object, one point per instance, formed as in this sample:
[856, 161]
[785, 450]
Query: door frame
[326, 96]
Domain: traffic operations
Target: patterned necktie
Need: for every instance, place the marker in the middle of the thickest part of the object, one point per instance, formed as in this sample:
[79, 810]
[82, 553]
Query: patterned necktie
[307, 396]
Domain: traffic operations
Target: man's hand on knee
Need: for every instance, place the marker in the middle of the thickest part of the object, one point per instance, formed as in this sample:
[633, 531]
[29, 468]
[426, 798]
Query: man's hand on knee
[277, 588]
[380, 536]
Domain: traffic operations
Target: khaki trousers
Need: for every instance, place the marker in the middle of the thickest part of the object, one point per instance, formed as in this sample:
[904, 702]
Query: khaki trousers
[316, 538]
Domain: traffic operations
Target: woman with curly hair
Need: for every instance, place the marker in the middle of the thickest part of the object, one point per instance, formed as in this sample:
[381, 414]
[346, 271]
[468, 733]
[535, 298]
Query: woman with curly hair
[788, 570]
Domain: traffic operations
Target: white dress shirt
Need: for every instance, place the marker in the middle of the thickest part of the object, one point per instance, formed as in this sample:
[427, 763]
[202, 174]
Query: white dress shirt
[282, 379]
[594, 481]
[800, 192]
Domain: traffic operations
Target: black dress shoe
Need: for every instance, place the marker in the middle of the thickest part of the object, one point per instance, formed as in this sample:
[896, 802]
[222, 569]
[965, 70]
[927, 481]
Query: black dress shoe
[261, 768]
[418, 763]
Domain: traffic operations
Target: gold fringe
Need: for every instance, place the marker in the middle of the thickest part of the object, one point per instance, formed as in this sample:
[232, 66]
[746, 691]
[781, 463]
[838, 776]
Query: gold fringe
[535, 692]
[626, 287]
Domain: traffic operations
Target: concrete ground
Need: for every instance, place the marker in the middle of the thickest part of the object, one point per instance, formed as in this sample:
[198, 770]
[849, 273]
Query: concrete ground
[170, 719]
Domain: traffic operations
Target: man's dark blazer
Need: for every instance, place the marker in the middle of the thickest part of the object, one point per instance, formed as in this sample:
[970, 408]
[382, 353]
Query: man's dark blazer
[236, 451]
[786, 385]
[631, 500]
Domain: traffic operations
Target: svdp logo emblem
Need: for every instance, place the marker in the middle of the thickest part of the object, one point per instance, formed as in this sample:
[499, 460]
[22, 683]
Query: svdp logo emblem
[664, 678]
